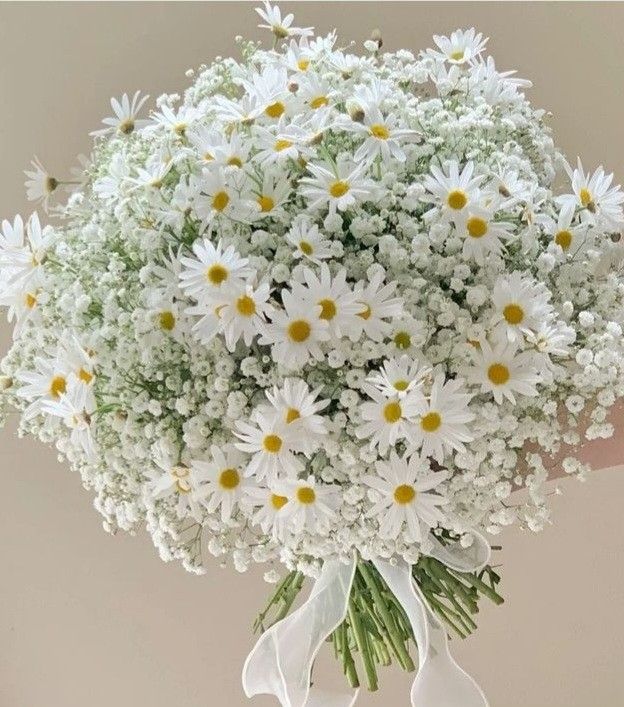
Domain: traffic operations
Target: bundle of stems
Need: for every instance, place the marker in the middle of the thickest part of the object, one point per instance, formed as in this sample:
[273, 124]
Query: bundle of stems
[376, 630]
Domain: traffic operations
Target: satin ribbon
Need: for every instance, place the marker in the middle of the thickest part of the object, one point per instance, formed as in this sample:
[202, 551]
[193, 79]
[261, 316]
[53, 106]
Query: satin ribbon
[281, 662]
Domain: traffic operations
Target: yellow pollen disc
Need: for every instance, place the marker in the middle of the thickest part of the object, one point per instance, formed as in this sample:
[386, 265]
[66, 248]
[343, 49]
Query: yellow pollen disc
[278, 501]
[392, 412]
[272, 444]
[498, 374]
[220, 201]
[563, 239]
[379, 131]
[50, 184]
[306, 247]
[401, 385]
[31, 300]
[457, 55]
[366, 312]
[229, 479]
[183, 486]
[180, 472]
[477, 227]
[216, 274]
[585, 196]
[303, 64]
[275, 109]
[208, 157]
[235, 162]
[180, 129]
[338, 189]
[402, 340]
[58, 386]
[167, 320]
[126, 127]
[456, 199]
[265, 203]
[318, 102]
[85, 376]
[328, 309]
[299, 330]
[282, 145]
[306, 494]
[404, 494]
[292, 414]
[475, 344]
[245, 306]
[513, 314]
[431, 422]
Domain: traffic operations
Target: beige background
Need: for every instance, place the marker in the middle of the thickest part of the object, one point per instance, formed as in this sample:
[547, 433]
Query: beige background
[87, 619]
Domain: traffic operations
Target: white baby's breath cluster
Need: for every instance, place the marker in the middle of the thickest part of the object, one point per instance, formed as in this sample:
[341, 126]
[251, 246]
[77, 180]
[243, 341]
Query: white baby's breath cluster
[322, 302]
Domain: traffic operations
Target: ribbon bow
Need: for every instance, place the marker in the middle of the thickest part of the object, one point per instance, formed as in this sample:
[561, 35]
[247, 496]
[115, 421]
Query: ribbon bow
[281, 662]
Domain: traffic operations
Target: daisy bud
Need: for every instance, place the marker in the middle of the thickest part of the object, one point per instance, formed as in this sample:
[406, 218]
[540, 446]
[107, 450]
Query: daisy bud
[377, 38]
[5, 382]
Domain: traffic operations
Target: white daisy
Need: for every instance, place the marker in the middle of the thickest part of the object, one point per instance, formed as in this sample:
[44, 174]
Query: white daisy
[217, 197]
[270, 444]
[315, 92]
[311, 505]
[308, 241]
[399, 376]
[40, 185]
[482, 234]
[213, 146]
[268, 201]
[552, 339]
[268, 505]
[521, 305]
[405, 502]
[223, 485]
[284, 142]
[178, 121]
[454, 192]
[75, 407]
[281, 27]
[377, 305]
[296, 332]
[339, 188]
[406, 334]
[50, 379]
[269, 90]
[382, 136]
[125, 120]
[501, 372]
[174, 482]
[23, 249]
[462, 47]
[571, 238]
[441, 419]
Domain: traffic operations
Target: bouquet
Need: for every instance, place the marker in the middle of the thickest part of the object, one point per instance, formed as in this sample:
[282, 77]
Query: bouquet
[324, 312]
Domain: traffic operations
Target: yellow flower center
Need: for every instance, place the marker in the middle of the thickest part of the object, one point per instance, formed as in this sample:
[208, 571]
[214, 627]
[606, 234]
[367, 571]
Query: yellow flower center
[513, 313]
[402, 340]
[404, 494]
[328, 309]
[366, 312]
[208, 156]
[216, 274]
[229, 479]
[563, 239]
[85, 376]
[265, 203]
[392, 412]
[126, 127]
[303, 64]
[31, 300]
[306, 247]
[58, 385]
[306, 495]
[379, 131]
[235, 162]
[457, 199]
[292, 414]
[498, 373]
[299, 330]
[180, 474]
[275, 109]
[457, 55]
[318, 102]
[585, 197]
[282, 145]
[278, 501]
[401, 385]
[477, 227]
[245, 306]
[338, 189]
[167, 320]
[272, 444]
[220, 201]
[180, 129]
[431, 422]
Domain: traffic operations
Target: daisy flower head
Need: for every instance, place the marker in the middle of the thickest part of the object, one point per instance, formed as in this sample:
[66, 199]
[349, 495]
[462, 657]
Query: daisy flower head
[453, 193]
[462, 47]
[267, 504]
[378, 304]
[338, 188]
[270, 444]
[501, 371]
[483, 236]
[569, 236]
[399, 376]
[23, 248]
[279, 145]
[406, 335]
[48, 380]
[218, 197]
[309, 242]
[281, 27]
[311, 505]
[40, 184]
[125, 120]
[268, 89]
[295, 332]
[212, 268]
[268, 201]
[75, 407]
[170, 480]
[214, 147]
[222, 483]
[551, 341]
[177, 121]
[406, 497]
[521, 306]
[382, 137]
[441, 423]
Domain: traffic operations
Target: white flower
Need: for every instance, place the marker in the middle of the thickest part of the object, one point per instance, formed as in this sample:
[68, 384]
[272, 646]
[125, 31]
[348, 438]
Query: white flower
[382, 136]
[482, 234]
[454, 192]
[501, 372]
[178, 121]
[40, 185]
[311, 505]
[174, 481]
[521, 306]
[22, 250]
[75, 408]
[125, 120]
[270, 443]
[462, 47]
[223, 485]
[212, 268]
[399, 376]
[308, 241]
[296, 332]
[281, 28]
[340, 188]
[267, 506]
[407, 503]
[269, 199]
[570, 238]
[377, 304]
[218, 197]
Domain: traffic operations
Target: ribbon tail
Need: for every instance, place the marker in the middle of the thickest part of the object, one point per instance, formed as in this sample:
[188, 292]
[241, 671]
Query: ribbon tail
[280, 663]
[440, 681]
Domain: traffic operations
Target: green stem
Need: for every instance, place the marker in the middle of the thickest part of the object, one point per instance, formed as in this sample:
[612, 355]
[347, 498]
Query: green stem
[363, 647]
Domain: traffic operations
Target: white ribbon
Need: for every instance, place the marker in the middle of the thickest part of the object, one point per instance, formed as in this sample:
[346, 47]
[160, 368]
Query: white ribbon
[281, 662]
